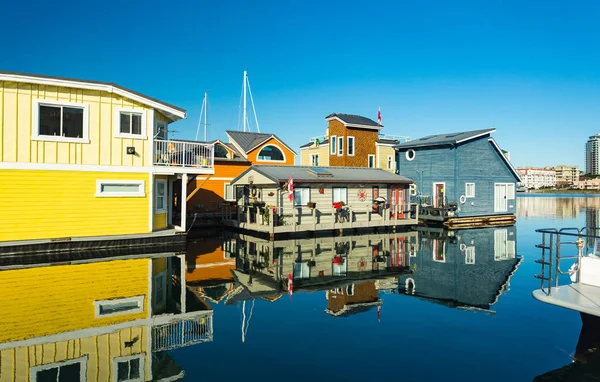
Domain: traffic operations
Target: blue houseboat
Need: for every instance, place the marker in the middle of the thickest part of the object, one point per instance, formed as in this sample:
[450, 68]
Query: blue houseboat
[462, 179]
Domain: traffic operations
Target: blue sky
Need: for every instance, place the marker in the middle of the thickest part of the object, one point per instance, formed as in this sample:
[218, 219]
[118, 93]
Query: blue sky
[530, 69]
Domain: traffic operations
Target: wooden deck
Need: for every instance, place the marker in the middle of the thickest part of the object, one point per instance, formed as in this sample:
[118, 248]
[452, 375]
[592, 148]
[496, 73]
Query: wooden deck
[446, 216]
[304, 219]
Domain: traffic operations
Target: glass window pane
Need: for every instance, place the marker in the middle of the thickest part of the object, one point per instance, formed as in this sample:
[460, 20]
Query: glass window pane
[132, 188]
[160, 188]
[49, 120]
[123, 371]
[70, 373]
[332, 142]
[350, 146]
[136, 124]
[50, 375]
[116, 307]
[125, 123]
[73, 122]
[134, 368]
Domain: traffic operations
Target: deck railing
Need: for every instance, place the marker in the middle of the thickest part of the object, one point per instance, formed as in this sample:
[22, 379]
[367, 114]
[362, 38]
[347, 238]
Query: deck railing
[183, 153]
[182, 333]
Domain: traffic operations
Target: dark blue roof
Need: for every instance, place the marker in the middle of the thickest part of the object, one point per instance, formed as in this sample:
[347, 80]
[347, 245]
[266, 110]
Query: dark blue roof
[353, 119]
[445, 139]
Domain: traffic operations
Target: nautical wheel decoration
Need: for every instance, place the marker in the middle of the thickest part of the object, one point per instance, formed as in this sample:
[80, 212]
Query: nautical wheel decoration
[362, 265]
[361, 194]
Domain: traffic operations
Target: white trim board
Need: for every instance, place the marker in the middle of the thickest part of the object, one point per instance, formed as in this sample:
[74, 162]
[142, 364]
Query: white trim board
[108, 194]
[80, 360]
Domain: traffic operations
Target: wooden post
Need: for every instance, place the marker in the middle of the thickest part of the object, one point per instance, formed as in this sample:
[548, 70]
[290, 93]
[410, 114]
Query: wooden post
[395, 214]
[369, 209]
[238, 214]
[350, 215]
[294, 217]
[314, 218]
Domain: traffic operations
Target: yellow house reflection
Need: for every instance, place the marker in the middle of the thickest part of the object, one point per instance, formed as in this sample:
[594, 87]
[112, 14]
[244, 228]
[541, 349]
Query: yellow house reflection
[99, 321]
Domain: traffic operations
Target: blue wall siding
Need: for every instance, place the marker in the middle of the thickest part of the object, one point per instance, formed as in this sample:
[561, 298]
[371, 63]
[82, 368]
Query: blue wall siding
[475, 161]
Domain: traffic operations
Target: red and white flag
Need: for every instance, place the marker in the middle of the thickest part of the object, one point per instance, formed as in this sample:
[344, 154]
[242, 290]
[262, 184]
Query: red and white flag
[290, 186]
[379, 116]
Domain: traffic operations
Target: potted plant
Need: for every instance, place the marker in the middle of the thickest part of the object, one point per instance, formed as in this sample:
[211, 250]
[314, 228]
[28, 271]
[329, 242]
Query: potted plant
[311, 204]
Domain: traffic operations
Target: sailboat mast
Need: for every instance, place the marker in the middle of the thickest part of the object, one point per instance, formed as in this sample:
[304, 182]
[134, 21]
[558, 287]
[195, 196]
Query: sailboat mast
[205, 112]
[244, 91]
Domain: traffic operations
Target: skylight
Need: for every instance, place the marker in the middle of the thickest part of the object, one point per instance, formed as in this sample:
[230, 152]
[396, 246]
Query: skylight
[319, 171]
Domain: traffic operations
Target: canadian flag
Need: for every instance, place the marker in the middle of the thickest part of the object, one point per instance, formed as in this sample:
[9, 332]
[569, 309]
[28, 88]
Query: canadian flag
[290, 187]
[379, 116]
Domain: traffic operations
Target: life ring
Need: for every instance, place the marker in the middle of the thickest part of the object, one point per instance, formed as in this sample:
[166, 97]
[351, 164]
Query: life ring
[254, 191]
[462, 199]
[463, 247]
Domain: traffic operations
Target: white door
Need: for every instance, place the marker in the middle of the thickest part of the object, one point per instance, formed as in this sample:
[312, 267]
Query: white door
[500, 244]
[500, 202]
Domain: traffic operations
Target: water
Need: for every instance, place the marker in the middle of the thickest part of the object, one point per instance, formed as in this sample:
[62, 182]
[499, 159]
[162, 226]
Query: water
[420, 306]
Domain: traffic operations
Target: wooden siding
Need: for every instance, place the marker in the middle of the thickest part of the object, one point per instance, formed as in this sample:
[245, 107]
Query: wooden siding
[364, 145]
[362, 293]
[51, 204]
[383, 153]
[475, 161]
[323, 152]
[290, 157]
[61, 298]
[16, 144]
[100, 350]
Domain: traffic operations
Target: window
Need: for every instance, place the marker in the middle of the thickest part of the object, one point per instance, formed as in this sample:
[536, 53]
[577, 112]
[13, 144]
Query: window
[120, 188]
[66, 371]
[129, 368]
[160, 291]
[107, 308]
[470, 190]
[60, 121]
[161, 196]
[271, 153]
[390, 163]
[350, 290]
[413, 190]
[371, 161]
[510, 191]
[221, 151]
[161, 130]
[301, 196]
[351, 146]
[340, 194]
[131, 124]
[228, 192]
[470, 255]
[410, 155]
[301, 270]
[314, 159]
[340, 145]
[333, 146]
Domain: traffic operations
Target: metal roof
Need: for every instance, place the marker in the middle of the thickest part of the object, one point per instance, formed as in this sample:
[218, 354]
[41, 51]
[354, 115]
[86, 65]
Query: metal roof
[309, 144]
[307, 174]
[249, 140]
[353, 119]
[445, 139]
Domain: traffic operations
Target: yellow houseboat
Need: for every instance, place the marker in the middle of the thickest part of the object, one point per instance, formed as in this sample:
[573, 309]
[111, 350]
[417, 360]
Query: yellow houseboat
[85, 158]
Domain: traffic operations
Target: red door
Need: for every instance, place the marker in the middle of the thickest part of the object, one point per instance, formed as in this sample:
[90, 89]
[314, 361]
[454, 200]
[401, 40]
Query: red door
[438, 197]
[397, 199]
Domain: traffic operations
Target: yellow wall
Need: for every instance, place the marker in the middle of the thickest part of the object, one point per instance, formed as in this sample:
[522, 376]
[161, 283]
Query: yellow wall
[50, 300]
[101, 350]
[51, 204]
[323, 152]
[16, 145]
[384, 152]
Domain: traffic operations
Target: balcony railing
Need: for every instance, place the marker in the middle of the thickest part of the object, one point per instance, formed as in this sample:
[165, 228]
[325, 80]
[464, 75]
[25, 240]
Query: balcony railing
[183, 153]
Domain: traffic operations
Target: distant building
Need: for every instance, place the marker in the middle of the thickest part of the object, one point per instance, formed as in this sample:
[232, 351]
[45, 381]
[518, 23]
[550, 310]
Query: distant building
[592, 155]
[535, 178]
[566, 175]
[588, 184]
[351, 141]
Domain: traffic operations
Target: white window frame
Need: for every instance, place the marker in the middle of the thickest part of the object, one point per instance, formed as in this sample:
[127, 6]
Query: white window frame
[140, 356]
[107, 194]
[156, 196]
[467, 193]
[410, 157]
[350, 290]
[369, 161]
[390, 162]
[351, 138]
[333, 144]
[35, 121]
[117, 124]
[470, 255]
[510, 191]
[271, 160]
[340, 146]
[299, 190]
[225, 192]
[82, 369]
[345, 192]
[139, 309]
[312, 159]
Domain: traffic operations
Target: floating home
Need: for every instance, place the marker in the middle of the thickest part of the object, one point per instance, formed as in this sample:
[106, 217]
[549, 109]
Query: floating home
[82, 159]
[118, 326]
[322, 199]
[463, 179]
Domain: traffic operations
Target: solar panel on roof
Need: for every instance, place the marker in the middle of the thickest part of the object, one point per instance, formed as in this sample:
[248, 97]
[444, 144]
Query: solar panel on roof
[319, 171]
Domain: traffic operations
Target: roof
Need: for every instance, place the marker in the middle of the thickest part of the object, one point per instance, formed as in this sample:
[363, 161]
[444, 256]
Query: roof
[309, 144]
[248, 141]
[351, 309]
[312, 174]
[354, 120]
[174, 113]
[386, 141]
[445, 139]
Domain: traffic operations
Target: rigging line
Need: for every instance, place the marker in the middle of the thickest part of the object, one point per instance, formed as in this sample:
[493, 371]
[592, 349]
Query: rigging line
[240, 108]
[253, 109]
[243, 320]
[199, 120]
[249, 318]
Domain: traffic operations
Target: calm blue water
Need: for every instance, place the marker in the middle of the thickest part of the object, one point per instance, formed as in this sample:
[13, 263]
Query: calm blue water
[418, 306]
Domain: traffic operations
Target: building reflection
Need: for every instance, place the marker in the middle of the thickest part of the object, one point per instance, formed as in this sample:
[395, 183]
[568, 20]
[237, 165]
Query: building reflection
[99, 320]
[561, 208]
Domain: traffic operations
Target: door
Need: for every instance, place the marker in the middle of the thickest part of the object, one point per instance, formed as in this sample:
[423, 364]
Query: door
[438, 194]
[500, 202]
[175, 203]
[397, 201]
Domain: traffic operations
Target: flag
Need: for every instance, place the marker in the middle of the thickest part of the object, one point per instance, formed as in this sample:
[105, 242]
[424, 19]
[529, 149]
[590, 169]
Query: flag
[379, 116]
[290, 187]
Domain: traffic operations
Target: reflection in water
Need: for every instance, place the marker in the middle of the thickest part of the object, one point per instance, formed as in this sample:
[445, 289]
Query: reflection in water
[98, 321]
[555, 206]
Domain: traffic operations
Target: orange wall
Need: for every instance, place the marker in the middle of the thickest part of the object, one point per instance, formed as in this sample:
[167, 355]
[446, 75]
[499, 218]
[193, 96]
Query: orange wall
[212, 191]
[290, 157]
